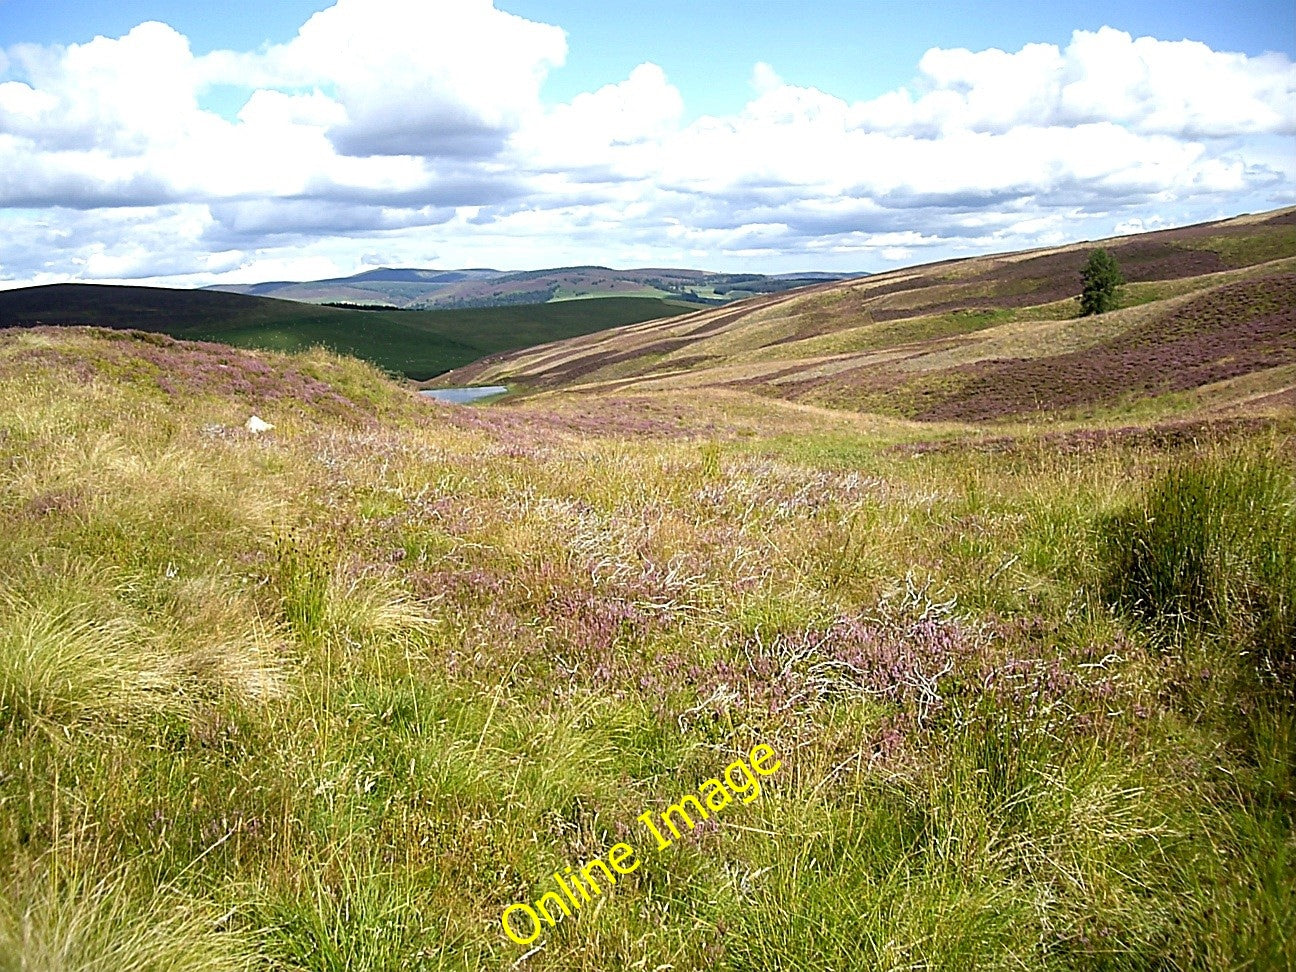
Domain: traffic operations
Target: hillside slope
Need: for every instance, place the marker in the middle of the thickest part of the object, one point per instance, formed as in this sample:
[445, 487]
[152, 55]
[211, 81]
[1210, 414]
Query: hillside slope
[1207, 321]
[417, 344]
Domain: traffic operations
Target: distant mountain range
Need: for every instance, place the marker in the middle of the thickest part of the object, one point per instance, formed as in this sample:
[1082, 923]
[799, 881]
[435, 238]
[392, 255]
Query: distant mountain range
[414, 322]
[421, 289]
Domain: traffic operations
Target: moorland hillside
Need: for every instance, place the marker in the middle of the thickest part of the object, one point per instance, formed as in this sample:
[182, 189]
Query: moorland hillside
[416, 344]
[435, 289]
[1206, 323]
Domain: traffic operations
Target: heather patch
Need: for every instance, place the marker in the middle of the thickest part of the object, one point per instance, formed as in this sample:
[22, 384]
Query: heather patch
[182, 369]
[1168, 436]
[1230, 331]
[612, 418]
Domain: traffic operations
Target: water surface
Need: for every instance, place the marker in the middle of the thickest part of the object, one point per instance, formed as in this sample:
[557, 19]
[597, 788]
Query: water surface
[462, 396]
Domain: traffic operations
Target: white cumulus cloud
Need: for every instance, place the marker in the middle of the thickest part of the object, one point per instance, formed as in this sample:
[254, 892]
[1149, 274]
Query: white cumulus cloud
[1180, 88]
[417, 129]
[414, 77]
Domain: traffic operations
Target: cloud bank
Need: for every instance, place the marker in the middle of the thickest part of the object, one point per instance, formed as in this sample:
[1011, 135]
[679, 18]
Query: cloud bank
[414, 132]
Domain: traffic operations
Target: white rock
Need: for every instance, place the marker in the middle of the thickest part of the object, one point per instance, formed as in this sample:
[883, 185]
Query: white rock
[255, 424]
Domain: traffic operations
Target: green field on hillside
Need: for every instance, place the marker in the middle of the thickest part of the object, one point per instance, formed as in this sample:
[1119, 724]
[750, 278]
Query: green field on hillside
[417, 344]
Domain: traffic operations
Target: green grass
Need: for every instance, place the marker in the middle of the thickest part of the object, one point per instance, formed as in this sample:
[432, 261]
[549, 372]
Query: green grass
[568, 293]
[417, 344]
[334, 696]
[1262, 244]
[888, 334]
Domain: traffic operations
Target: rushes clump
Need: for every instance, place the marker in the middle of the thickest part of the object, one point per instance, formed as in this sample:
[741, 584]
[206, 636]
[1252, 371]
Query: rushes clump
[1211, 548]
[347, 917]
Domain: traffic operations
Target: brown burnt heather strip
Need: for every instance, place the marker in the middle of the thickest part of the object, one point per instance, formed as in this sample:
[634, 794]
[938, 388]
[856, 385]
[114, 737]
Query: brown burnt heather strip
[1144, 260]
[1230, 331]
[1279, 399]
[722, 321]
[579, 367]
[871, 387]
[1162, 436]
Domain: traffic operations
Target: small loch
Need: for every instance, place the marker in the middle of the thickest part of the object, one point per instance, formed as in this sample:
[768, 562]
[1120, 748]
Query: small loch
[462, 396]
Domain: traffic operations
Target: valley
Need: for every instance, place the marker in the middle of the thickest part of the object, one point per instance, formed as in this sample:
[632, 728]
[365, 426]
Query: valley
[415, 344]
[1205, 322]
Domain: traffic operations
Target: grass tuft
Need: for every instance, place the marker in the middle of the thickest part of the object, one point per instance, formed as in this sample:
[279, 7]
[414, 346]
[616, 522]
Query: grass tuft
[63, 665]
[108, 925]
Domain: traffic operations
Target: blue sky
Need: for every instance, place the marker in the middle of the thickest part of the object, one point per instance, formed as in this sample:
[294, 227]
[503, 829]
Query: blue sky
[759, 134]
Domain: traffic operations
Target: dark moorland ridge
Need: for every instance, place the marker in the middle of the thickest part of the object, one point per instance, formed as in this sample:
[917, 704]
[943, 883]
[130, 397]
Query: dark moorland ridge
[1207, 310]
[428, 289]
[416, 344]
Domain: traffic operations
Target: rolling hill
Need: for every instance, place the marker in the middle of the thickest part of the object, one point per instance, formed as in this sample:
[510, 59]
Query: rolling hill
[1207, 321]
[417, 344]
[433, 289]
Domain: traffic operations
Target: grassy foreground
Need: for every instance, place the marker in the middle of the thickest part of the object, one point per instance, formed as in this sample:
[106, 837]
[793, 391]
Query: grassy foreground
[334, 696]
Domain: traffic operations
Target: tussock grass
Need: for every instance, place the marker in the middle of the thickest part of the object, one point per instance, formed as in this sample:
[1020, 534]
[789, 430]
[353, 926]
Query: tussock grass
[220, 646]
[61, 664]
[83, 924]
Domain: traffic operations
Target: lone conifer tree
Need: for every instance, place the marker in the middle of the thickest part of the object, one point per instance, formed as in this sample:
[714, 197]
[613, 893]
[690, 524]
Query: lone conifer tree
[1101, 277]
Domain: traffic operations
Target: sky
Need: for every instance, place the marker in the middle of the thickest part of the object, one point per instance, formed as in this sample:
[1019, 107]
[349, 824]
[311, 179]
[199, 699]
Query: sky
[185, 143]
